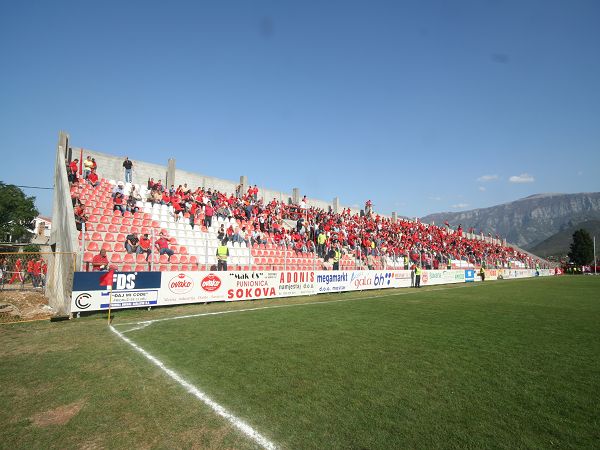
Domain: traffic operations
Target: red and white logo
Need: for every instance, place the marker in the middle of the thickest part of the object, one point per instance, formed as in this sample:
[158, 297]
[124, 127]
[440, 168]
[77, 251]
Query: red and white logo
[211, 282]
[181, 284]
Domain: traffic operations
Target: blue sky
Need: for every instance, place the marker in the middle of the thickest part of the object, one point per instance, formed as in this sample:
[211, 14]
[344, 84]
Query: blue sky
[420, 106]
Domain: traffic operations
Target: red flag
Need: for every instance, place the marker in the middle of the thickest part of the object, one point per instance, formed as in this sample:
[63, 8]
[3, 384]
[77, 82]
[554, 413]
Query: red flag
[107, 278]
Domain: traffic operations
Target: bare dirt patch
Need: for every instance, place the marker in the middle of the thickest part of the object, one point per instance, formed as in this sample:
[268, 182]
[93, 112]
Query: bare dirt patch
[58, 416]
[23, 305]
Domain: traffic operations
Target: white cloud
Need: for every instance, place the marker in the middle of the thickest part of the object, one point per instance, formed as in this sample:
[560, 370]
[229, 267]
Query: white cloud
[460, 205]
[481, 189]
[486, 178]
[523, 178]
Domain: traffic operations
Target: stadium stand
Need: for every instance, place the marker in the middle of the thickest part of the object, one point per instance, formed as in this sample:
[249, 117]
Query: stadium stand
[265, 235]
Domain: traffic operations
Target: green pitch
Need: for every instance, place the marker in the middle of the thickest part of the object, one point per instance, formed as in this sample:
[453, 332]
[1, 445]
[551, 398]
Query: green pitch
[501, 364]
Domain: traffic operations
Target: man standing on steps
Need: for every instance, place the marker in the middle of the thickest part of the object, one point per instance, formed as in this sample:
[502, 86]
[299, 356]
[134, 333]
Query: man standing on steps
[128, 165]
[418, 271]
[222, 254]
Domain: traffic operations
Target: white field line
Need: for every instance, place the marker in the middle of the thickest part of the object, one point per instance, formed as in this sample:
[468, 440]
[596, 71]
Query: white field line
[145, 323]
[217, 408]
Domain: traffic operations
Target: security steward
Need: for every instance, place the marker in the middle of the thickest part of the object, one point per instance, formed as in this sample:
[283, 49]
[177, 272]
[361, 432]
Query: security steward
[337, 255]
[418, 271]
[222, 254]
[482, 273]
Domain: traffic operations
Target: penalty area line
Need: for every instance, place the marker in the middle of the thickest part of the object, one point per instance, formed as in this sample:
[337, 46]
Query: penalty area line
[190, 388]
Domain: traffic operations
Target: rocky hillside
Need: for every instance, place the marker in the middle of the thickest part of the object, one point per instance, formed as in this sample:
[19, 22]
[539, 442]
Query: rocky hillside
[528, 221]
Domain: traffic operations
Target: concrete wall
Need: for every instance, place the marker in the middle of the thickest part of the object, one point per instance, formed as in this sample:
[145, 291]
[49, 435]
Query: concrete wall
[111, 167]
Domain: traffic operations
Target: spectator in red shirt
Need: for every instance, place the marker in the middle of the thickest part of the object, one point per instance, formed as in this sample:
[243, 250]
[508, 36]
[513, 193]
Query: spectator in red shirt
[208, 215]
[119, 203]
[163, 247]
[93, 178]
[145, 246]
[100, 261]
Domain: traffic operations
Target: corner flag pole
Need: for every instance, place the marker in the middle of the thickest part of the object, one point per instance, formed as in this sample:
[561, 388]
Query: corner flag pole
[109, 302]
[595, 263]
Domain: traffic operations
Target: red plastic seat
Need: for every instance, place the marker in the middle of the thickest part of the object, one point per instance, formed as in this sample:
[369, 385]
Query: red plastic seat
[88, 257]
[126, 221]
[96, 211]
[93, 219]
[141, 268]
[126, 268]
[116, 220]
[162, 268]
[174, 268]
[193, 260]
[136, 222]
[117, 213]
[183, 259]
[93, 246]
[106, 246]
[109, 237]
[96, 236]
[113, 228]
[127, 214]
[140, 258]
[101, 227]
[121, 237]
[129, 258]
[119, 247]
[164, 259]
[124, 229]
[104, 219]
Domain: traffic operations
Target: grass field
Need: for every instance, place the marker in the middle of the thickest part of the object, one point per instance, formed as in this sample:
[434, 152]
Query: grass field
[503, 364]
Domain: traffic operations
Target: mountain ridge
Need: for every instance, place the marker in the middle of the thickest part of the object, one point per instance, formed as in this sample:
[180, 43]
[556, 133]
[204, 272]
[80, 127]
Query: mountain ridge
[529, 220]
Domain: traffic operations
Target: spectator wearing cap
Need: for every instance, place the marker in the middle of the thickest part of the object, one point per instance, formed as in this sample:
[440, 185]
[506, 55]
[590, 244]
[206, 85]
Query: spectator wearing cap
[118, 189]
[128, 166]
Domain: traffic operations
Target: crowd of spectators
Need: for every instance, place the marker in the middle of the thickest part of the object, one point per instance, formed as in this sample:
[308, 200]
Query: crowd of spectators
[367, 236]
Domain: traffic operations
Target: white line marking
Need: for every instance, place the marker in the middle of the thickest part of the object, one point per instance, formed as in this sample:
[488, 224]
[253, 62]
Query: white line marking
[145, 323]
[220, 410]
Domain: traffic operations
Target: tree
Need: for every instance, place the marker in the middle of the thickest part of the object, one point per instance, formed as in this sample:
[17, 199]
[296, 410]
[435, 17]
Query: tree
[582, 248]
[17, 212]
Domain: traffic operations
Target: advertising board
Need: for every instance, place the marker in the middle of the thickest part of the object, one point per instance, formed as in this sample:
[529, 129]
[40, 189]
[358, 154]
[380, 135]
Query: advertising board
[144, 289]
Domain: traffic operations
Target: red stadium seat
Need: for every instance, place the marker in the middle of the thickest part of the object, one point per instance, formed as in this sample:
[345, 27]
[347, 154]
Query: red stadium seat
[129, 258]
[116, 220]
[162, 268]
[93, 219]
[183, 259]
[101, 227]
[127, 214]
[109, 237]
[96, 236]
[93, 246]
[113, 228]
[106, 246]
[140, 258]
[104, 220]
[126, 268]
[119, 247]
[88, 257]
[121, 237]
[141, 268]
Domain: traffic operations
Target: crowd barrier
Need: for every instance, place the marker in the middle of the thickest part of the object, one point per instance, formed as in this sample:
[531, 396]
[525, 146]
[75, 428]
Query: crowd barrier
[149, 289]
